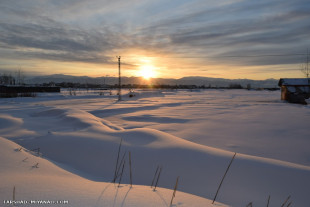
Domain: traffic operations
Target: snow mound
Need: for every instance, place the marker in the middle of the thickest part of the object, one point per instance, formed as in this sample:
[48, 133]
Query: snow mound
[91, 152]
[38, 181]
[82, 137]
[78, 119]
[9, 122]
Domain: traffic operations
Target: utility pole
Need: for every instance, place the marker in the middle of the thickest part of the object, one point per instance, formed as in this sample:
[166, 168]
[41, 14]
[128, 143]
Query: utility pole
[307, 64]
[119, 78]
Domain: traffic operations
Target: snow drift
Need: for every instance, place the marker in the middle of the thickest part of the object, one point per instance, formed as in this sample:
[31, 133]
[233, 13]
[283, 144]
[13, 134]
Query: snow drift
[79, 139]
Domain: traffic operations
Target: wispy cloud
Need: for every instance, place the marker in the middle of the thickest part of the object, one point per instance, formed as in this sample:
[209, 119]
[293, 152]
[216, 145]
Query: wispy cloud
[92, 32]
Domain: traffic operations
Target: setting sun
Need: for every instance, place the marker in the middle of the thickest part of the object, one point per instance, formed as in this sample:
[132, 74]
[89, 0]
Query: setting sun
[147, 71]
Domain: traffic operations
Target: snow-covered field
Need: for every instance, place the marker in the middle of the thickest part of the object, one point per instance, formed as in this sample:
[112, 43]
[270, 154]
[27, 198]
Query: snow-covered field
[191, 134]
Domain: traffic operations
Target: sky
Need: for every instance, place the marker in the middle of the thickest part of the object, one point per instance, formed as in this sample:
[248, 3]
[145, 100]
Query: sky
[155, 38]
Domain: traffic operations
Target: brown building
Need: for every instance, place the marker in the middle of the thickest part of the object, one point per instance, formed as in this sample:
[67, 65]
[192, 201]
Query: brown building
[295, 90]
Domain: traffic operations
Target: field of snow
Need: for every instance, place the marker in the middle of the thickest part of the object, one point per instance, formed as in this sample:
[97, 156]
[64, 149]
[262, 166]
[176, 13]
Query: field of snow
[191, 134]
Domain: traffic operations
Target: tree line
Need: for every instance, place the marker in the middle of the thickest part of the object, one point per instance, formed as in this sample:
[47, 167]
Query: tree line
[9, 79]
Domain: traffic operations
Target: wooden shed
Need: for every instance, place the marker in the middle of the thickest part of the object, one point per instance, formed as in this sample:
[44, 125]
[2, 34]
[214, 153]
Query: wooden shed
[295, 90]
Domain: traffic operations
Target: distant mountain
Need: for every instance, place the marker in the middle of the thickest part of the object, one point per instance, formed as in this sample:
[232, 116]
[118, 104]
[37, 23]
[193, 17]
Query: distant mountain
[192, 80]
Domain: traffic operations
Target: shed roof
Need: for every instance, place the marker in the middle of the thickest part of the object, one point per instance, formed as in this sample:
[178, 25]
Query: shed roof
[294, 82]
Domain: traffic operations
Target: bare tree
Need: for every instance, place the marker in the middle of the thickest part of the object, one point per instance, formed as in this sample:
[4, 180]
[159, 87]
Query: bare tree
[20, 77]
[305, 69]
[7, 79]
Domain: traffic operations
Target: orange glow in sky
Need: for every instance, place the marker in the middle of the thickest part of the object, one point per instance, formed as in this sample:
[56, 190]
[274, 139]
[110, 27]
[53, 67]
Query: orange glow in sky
[155, 39]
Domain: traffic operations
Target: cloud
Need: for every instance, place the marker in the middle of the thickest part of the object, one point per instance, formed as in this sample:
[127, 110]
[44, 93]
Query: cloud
[269, 30]
[56, 41]
[93, 32]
